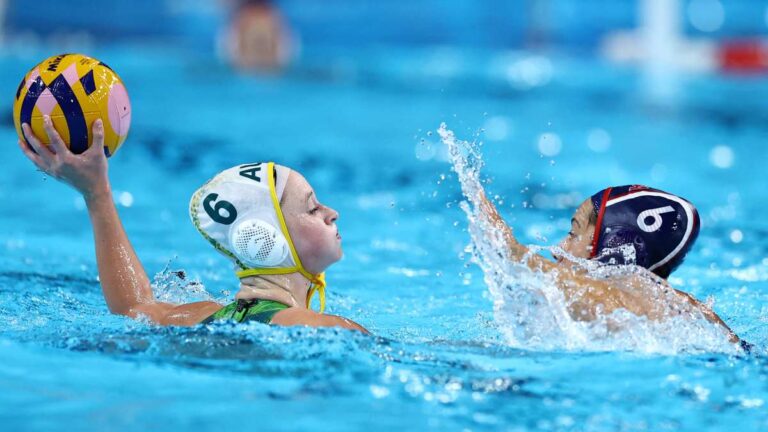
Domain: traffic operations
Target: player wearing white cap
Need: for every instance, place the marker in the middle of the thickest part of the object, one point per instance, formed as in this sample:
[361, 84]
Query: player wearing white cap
[264, 217]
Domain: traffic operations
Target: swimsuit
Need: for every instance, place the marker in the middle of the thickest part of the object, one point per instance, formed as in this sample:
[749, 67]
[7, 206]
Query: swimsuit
[247, 310]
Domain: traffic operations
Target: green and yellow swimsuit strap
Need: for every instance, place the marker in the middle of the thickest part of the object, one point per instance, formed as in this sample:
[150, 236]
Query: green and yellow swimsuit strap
[247, 310]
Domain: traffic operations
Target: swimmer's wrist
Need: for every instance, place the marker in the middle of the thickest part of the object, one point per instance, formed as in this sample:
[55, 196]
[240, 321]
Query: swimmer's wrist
[98, 193]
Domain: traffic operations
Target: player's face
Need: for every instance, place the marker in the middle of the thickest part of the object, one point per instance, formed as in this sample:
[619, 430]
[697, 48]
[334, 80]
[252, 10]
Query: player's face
[578, 241]
[311, 224]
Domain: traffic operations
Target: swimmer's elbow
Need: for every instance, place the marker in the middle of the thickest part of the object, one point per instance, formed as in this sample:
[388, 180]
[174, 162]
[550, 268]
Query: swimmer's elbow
[124, 310]
[152, 311]
[169, 314]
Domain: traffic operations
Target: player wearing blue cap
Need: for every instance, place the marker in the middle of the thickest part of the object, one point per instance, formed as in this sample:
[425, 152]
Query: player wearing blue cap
[646, 229]
[655, 228]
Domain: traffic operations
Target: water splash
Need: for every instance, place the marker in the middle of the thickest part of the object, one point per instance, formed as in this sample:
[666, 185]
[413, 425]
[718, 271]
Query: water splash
[174, 286]
[530, 308]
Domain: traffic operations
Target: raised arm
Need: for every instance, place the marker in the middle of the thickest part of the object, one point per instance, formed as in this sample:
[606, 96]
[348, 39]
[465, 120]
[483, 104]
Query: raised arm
[124, 281]
[515, 250]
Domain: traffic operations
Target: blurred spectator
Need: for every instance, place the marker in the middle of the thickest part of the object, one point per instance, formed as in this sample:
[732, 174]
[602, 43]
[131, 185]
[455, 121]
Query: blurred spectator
[258, 38]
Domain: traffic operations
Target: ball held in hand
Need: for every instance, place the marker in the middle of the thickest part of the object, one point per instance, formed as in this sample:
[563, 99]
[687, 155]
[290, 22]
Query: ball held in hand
[74, 90]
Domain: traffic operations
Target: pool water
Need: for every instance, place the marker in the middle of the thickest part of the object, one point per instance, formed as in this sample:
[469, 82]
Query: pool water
[362, 127]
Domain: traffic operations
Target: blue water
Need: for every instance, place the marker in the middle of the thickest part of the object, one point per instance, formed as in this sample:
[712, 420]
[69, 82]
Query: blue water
[362, 128]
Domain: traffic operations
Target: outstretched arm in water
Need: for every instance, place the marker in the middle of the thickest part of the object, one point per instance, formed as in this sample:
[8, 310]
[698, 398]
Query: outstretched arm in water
[124, 281]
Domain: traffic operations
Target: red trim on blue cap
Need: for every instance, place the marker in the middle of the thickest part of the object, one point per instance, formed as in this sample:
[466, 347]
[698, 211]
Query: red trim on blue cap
[600, 214]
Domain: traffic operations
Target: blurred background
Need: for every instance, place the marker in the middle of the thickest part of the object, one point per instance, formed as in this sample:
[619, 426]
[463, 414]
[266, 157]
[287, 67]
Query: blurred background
[567, 97]
[563, 25]
[496, 24]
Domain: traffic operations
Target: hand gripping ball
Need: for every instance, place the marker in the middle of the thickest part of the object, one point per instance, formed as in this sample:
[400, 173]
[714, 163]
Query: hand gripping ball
[74, 90]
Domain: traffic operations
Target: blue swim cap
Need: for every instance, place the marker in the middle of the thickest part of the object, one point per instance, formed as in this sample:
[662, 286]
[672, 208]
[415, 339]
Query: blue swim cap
[657, 226]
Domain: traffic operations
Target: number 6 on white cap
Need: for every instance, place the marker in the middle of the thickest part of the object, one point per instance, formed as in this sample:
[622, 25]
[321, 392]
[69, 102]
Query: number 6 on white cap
[656, 215]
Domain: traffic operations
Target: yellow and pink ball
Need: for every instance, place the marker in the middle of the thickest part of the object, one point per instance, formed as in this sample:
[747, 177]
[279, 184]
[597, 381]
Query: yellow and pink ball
[74, 90]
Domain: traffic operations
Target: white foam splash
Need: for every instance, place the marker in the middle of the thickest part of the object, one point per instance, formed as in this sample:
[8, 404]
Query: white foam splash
[174, 286]
[531, 310]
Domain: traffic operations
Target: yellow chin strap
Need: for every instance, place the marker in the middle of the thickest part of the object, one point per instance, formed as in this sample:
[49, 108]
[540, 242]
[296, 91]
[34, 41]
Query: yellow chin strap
[317, 281]
[318, 285]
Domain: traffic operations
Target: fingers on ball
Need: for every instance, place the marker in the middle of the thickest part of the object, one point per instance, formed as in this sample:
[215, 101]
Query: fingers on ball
[53, 136]
[37, 146]
[98, 129]
[98, 137]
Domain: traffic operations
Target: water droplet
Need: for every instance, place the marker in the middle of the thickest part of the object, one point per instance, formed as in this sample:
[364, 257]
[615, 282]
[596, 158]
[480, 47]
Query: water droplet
[125, 199]
[598, 140]
[722, 157]
[549, 144]
[498, 128]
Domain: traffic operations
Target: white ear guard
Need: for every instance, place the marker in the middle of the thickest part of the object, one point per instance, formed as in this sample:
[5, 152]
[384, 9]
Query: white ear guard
[238, 213]
[257, 243]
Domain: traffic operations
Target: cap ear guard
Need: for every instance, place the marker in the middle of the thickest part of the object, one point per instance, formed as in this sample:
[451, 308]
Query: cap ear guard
[613, 251]
[257, 243]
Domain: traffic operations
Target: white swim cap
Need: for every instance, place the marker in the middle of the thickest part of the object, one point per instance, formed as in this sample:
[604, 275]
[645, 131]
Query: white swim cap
[238, 212]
